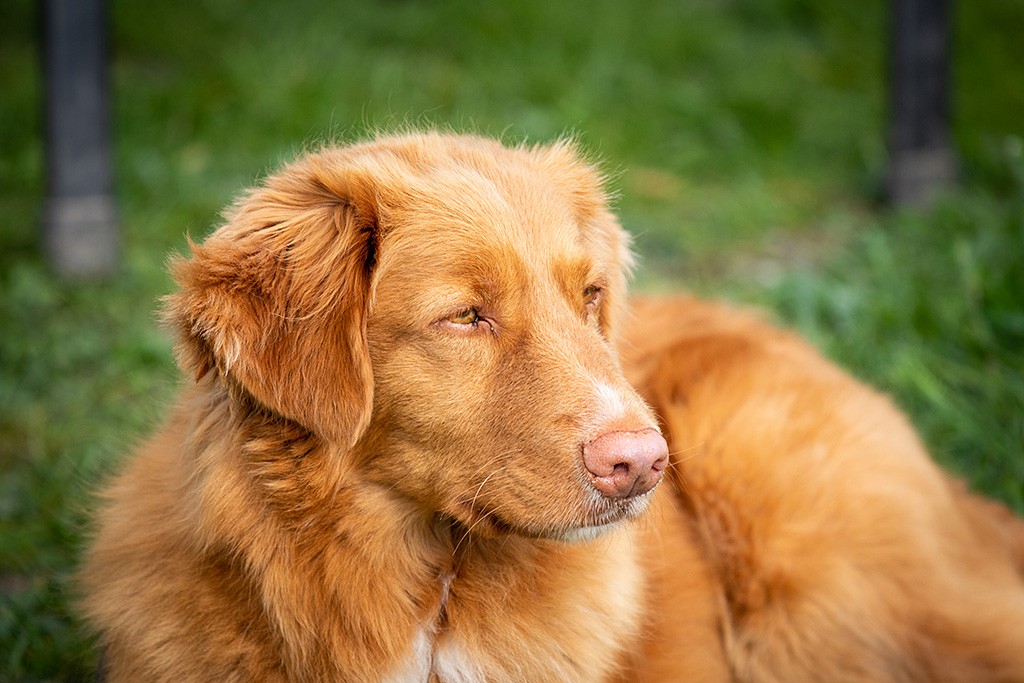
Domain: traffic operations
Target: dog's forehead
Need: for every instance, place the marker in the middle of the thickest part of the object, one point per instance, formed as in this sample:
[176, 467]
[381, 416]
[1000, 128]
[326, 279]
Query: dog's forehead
[462, 214]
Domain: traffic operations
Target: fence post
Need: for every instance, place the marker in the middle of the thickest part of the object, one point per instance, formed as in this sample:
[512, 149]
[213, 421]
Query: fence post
[921, 161]
[80, 219]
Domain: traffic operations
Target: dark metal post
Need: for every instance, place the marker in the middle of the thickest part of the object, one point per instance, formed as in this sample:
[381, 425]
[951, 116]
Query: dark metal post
[921, 161]
[80, 221]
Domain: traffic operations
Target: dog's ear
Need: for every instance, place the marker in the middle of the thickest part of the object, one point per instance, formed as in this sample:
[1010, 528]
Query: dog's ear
[275, 301]
[583, 186]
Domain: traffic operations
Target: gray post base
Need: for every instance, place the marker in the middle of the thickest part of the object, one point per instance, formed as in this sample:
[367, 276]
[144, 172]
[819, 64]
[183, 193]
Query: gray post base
[82, 235]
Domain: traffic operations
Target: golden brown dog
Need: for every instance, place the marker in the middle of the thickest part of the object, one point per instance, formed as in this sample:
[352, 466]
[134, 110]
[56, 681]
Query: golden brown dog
[410, 454]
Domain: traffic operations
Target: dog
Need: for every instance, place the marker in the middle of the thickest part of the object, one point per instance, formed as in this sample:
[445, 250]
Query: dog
[426, 437]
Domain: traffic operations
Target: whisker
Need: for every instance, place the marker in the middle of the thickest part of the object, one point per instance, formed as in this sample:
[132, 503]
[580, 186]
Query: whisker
[693, 451]
[472, 505]
[466, 534]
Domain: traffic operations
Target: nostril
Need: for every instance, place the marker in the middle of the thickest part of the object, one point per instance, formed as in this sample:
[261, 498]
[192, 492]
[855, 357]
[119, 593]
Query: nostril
[661, 463]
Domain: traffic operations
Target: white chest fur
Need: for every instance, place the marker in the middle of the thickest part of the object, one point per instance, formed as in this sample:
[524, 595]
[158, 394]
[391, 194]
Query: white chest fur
[415, 668]
[452, 664]
[538, 626]
[449, 662]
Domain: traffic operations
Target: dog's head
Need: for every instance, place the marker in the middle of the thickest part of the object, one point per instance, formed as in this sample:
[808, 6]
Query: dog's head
[441, 308]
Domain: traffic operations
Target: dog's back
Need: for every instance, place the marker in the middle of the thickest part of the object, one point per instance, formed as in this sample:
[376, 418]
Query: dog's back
[842, 552]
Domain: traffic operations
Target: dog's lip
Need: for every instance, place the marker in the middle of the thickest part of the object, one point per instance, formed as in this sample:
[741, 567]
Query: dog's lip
[587, 526]
[617, 511]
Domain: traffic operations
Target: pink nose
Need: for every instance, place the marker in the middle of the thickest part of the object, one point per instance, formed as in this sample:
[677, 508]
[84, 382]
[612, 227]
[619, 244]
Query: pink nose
[626, 464]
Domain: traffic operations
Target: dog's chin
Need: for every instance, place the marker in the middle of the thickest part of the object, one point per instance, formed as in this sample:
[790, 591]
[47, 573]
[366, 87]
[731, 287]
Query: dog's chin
[613, 515]
[594, 519]
[585, 534]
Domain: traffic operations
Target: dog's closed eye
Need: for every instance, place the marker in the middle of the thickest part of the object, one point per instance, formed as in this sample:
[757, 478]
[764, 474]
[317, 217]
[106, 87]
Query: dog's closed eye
[467, 316]
[466, 321]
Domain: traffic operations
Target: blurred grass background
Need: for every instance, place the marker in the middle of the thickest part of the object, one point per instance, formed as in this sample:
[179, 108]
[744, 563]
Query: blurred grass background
[746, 139]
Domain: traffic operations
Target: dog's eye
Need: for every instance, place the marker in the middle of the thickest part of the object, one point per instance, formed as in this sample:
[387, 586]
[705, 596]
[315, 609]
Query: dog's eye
[467, 321]
[591, 297]
[468, 316]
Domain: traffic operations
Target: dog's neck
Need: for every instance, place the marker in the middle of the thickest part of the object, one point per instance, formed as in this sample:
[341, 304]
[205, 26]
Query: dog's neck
[413, 586]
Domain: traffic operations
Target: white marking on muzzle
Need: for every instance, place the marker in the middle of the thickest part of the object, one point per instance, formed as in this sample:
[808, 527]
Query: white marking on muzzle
[610, 404]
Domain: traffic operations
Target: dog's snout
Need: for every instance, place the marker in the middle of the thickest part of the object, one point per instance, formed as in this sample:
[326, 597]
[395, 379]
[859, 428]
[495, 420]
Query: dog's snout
[623, 464]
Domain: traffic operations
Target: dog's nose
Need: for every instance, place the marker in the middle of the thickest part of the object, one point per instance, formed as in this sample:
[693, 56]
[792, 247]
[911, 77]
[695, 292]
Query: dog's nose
[624, 463]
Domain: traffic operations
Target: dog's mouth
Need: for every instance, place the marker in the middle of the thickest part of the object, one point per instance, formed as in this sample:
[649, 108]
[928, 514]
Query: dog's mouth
[595, 518]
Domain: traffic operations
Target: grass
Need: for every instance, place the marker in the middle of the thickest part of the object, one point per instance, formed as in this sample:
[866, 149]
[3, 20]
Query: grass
[931, 309]
[747, 144]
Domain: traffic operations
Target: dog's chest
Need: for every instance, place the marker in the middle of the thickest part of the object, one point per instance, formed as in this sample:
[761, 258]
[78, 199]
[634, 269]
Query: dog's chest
[444, 660]
[429, 661]
[437, 655]
[573, 629]
[449, 658]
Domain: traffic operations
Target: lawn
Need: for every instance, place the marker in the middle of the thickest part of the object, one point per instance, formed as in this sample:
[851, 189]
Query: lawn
[744, 138]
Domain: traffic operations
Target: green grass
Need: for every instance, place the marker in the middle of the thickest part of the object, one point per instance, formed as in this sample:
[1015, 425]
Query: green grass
[931, 309]
[746, 139]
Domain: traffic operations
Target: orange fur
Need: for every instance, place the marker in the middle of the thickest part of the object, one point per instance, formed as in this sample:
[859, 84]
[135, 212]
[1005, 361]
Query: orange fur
[362, 485]
[843, 553]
